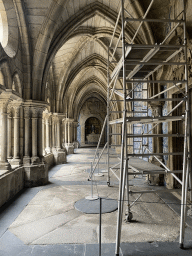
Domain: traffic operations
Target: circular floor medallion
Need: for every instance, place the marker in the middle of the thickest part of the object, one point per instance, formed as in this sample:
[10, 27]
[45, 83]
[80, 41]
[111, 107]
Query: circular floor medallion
[93, 206]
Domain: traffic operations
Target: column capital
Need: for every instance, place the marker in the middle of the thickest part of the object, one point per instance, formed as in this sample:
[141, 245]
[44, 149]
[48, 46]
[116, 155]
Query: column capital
[70, 120]
[4, 106]
[35, 112]
[35, 106]
[55, 118]
[16, 110]
[156, 109]
[9, 112]
[47, 114]
[76, 123]
[40, 111]
[26, 112]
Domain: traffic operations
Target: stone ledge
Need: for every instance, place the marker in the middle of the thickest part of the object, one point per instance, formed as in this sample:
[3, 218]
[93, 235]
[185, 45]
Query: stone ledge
[59, 157]
[11, 182]
[70, 148]
[3, 172]
[49, 160]
[35, 175]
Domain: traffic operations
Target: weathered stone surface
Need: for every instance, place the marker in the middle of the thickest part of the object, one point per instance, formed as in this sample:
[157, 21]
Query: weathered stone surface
[69, 148]
[35, 175]
[59, 157]
[49, 160]
[10, 184]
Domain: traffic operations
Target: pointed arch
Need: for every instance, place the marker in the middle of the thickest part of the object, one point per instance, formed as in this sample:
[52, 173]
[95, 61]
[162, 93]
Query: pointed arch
[4, 68]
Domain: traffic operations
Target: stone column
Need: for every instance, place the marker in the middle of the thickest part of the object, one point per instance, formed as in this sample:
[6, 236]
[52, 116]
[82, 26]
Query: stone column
[118, 148]
[35, 158]
[9, 135]
[50, 135]
[36, 173]
[47, 149]
[26, 159]
[69, 145]
[83, 134]
[58, 135]
[41, 134]
[16, 157]
[53, 132]
[75, 131]
[76, 144]
[157, 145]
[59, 154]
[63, 134]
[66, 140]
[157, 142]
[4, 165]
[69, 132]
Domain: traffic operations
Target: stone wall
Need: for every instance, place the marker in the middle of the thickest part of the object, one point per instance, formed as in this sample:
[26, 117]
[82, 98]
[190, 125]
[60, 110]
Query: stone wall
[10, 184]
[93, 107]
[49, 160]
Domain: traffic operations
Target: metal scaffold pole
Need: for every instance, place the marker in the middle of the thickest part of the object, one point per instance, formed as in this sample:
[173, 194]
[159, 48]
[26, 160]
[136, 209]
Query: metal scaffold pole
[187, 147]
[124, 159]
[108, 138]
[139, 64]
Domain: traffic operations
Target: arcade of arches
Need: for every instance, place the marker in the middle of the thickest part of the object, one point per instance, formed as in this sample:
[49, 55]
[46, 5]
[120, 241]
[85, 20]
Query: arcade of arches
[53, 80]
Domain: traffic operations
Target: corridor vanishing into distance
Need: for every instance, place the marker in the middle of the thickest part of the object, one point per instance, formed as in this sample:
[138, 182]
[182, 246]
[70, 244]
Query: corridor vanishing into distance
[81, 74]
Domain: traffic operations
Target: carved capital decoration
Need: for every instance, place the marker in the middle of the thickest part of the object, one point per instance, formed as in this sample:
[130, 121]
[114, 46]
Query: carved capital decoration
[9, 111]
[35, 112]
[3, 106]
[26, 112]
[16, 111]
[40, 112]
[156, 110]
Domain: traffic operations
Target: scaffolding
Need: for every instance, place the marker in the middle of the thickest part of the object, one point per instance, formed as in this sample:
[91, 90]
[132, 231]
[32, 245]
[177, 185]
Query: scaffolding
[129, 107]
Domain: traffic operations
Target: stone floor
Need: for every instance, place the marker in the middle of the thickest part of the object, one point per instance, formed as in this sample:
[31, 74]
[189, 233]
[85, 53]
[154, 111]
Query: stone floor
[44, 221]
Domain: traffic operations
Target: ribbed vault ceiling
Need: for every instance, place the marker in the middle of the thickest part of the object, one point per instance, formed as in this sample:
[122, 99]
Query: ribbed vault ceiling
[77, 52]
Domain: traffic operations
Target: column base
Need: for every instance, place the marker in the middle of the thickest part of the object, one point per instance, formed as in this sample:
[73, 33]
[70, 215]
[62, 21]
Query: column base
[76, 144]
[26, 160]
[35, 160]
[48, 150]
[15, 162]
[5, 166]
[70, 148]
[59, 156]
[35, 175]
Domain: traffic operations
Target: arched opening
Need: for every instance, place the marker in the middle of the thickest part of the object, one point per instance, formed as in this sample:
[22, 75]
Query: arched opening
[92, 130]
[16, 86]
[9, 36]
[2, 80]
[3, 25]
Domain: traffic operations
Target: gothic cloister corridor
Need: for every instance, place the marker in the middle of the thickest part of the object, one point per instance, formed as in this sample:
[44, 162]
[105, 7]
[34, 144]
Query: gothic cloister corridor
[44, 221]
[95, 103]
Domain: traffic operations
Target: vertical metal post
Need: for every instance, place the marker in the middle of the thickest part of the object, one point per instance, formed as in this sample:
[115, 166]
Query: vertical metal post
[186, 156]
[91, 182]
[98, 163]
[100, 215]
[123, 145]
[108, 137]
[182, 224]
[128, 204]
[190, 171]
